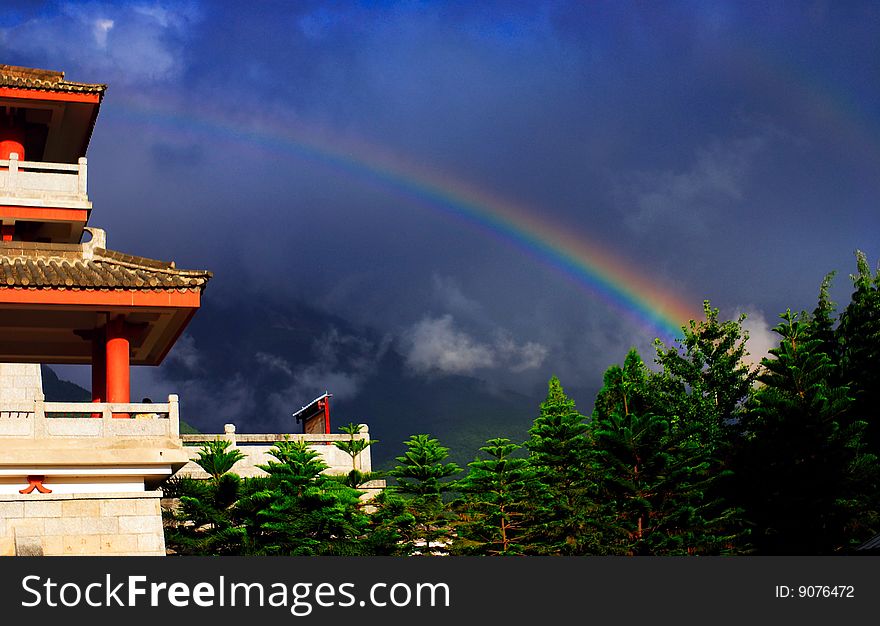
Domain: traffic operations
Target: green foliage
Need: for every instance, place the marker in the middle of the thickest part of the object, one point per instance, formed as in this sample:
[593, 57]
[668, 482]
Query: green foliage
[562, 519]
[353, 447]
[803, 462]
[706, 378]
[421, 480]
[653, 475]
[299, 511]
[216, 458]
[859, 338]
[496, 501]
[204, 520]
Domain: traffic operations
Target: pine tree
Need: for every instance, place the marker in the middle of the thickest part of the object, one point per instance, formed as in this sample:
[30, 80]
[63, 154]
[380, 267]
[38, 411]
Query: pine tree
[353, 447]
[298, 510]
[204, 520]
[859, 337]
[653, 475]
[562, 520]
[422, 483]
[804, 464]
[706, 379]
[493, 510]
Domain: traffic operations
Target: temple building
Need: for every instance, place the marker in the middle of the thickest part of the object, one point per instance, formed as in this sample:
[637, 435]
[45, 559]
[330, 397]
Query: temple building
[77, 478]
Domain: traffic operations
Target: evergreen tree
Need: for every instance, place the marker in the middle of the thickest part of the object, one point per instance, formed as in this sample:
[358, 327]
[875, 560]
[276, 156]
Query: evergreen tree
[353, 447]
[298, 510]
[653, 475]
[821, 326]
[804, 464]
[496, 499]
[421, 481]
[204, 521]
[859, 337]
[562, 518]
[706, 379]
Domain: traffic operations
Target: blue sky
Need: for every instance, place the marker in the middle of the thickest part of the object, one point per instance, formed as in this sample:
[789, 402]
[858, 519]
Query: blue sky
[728, 150]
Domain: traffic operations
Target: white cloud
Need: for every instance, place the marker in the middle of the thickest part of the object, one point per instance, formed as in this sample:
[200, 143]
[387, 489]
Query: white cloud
[435, 345]
[527, 356]
[340, 365]
[100, 29]
[717, 176]
[186, 354]
[761, 336]
[451, 297]
[273, 361]
[106, 42]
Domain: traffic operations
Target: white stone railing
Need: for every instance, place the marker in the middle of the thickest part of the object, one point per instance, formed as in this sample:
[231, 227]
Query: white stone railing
[35, 183]
[49, 420]
[256, 449]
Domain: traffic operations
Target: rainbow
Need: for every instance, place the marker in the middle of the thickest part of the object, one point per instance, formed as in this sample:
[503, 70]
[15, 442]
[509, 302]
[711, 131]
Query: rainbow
[586, 264]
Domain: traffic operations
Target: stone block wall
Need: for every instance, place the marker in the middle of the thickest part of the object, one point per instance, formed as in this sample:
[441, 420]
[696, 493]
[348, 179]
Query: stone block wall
[19, 383]
[115, 524]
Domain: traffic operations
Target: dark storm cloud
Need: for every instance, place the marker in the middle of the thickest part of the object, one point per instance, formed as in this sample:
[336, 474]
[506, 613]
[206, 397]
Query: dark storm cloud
[729, 150]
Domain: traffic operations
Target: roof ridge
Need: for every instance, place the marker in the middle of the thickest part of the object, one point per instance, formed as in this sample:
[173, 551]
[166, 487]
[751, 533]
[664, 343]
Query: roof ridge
[49, 80]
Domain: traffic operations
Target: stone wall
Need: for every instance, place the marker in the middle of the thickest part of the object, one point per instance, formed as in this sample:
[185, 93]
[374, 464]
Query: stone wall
[110, 524]
[19, 383]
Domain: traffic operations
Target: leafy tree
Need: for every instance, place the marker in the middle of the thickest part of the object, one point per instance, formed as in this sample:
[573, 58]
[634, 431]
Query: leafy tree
[421, 481]
[804, 462]
[562, 519]
[496, 500]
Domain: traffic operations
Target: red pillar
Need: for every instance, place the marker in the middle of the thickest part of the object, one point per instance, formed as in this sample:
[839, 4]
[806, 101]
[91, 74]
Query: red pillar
[326, 415]
[99, 367]
[117, 363]
[11, 140]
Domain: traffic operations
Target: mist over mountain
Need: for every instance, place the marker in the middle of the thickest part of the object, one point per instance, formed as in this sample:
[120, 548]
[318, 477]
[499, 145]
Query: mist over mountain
[253, 361]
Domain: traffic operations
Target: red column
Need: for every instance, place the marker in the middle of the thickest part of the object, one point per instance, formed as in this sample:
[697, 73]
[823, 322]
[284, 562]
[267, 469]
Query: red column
[99, 367]
[326, 415]
[117, 363]
[11, 140]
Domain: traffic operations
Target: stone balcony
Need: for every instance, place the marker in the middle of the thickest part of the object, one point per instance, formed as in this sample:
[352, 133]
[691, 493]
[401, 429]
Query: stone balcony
[85, 445]
[38, 184]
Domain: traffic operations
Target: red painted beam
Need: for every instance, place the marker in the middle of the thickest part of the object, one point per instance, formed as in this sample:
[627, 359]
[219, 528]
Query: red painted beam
[44, 214]
[165, 298]
[57, 96]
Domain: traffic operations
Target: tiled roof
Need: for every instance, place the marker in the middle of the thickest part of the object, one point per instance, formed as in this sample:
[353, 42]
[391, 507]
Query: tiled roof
[72, 266]
[46, 80]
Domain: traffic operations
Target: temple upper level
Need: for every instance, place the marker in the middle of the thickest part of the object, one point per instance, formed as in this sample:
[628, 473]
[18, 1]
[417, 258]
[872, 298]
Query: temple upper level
[46, 123]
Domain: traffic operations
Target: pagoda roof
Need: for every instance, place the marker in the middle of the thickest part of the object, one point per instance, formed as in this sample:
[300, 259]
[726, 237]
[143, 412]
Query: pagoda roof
[54, 297]
[18, 77]
[90, 266]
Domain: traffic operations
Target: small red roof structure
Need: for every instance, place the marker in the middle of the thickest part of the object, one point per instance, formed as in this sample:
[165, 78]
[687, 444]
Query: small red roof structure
[315, 416]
